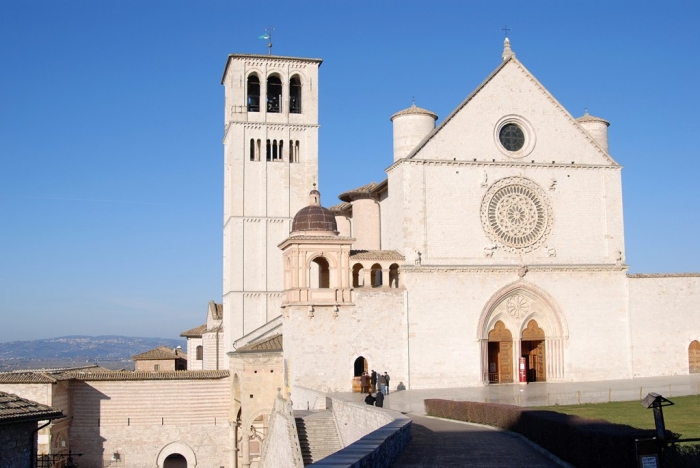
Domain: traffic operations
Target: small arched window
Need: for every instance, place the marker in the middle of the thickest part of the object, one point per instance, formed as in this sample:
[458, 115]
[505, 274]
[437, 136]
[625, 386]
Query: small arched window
[200, 352]
[394, 276]
[320, 273]
[295, 95]
[357, 280]
[253, 93]
[274, 94]
[376, 275]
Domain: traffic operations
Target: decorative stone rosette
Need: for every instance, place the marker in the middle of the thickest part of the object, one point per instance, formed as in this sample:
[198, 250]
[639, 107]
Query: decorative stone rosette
[516, 214]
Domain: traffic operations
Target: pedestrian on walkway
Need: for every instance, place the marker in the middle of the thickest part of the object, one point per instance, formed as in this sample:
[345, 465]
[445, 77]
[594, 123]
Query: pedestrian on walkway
[369, 399]
[386, 382]
[373, 380]
[380, 400]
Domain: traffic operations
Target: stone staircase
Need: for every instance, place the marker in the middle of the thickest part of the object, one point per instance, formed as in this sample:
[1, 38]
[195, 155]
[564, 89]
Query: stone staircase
[318, 435]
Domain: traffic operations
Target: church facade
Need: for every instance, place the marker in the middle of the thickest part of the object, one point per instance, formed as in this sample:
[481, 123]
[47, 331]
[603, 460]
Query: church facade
[493, 252]
[495, 242]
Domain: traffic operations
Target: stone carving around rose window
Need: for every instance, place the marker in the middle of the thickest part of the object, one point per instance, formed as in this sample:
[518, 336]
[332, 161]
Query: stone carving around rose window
[516, 214]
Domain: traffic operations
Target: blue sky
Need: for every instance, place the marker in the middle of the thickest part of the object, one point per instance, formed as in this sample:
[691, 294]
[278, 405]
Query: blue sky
[111, 118]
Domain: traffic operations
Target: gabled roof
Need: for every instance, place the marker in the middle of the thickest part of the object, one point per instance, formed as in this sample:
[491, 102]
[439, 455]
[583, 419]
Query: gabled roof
[195, 332]
[270, 344]
[16, 409]
[509, 60]
[159, 353]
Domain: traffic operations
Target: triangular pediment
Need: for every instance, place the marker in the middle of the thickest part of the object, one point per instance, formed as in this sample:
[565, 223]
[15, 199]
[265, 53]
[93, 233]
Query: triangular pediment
[511, 94]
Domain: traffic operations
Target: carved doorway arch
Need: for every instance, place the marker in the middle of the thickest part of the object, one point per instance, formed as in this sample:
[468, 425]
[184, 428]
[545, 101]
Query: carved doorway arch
[532, 316]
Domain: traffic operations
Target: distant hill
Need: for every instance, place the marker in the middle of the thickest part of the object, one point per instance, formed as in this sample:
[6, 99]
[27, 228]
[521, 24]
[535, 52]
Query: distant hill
[109, 351]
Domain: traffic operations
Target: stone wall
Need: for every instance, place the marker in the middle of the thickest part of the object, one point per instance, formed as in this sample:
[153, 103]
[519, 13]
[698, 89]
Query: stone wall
[373, 437]
[665, 316]
[281, 446]
[16, 444]
[142, 418]
[307, 399]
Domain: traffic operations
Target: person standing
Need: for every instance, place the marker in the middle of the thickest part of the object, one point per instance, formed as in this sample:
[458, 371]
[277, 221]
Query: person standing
[364, 382]
[373, 380]
[380, 400]
[382, 384]
[386, 383]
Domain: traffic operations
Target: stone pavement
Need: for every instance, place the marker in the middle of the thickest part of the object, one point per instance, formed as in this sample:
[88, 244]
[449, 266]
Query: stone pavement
[438, 443]
[442, 443]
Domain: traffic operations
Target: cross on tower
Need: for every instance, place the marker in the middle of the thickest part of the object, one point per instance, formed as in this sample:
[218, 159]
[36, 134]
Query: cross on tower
[505, 29]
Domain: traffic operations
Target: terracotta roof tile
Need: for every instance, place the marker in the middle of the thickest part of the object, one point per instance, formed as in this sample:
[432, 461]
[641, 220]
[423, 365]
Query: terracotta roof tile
[376, 255]
[272, 343]
[27, 377]
[17, 409]
[159, 353]
[152, 375]
[195, 332]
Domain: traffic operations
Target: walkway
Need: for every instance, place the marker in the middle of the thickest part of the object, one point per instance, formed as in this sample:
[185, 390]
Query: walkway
[438, 443]
[442, 443]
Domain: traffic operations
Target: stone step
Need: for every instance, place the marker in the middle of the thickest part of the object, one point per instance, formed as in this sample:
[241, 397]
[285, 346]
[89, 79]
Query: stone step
[318, 436]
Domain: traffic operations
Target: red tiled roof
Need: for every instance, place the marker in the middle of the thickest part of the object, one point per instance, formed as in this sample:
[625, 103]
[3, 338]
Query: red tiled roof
[160, 353]
[195, 332]
[272, 343]
[376, 255]
[17, 409]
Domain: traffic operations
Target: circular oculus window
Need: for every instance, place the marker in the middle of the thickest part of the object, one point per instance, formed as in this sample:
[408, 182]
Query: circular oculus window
[516, 214]
[514, 136]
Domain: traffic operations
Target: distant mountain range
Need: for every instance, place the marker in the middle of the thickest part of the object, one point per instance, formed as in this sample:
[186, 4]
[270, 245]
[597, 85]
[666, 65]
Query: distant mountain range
[109, 351]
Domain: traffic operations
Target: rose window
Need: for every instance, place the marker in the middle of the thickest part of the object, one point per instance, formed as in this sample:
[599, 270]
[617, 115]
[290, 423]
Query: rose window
[516, 214]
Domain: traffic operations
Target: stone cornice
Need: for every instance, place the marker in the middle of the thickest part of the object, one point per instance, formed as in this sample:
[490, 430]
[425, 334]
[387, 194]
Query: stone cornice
[664, 275]
[512, 268]
[269, 125]
[513, 164]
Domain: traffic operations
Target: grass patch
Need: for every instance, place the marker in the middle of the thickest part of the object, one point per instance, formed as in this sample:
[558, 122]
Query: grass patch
[682, 418]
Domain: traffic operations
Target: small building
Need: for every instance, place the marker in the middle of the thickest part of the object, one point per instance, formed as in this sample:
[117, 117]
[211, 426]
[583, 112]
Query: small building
[161, 359]
[19, 419]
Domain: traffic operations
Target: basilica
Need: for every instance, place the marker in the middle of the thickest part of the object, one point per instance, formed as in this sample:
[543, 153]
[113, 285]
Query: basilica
[492, 253]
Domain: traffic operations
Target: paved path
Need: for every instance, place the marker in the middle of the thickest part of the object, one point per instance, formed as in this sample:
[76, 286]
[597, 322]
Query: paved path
[442, 443]
[438, 443]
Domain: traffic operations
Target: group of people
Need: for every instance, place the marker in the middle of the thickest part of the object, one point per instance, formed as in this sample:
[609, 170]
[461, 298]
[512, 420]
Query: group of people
[369, 386]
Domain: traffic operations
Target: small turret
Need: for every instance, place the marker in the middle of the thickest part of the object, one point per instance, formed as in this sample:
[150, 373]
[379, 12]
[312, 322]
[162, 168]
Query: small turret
[507, 52]
[410, 127]
[596, 127]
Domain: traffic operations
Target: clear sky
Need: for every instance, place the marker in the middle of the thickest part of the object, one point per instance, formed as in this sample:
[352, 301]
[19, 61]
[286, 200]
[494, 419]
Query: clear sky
[111, 119]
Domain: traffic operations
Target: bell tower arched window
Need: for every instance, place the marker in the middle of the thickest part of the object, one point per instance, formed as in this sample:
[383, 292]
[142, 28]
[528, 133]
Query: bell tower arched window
[295, 95]
[274, 94]
[253, 90]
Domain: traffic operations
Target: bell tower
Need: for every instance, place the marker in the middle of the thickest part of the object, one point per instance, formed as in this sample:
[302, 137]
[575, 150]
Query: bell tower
[270, 162]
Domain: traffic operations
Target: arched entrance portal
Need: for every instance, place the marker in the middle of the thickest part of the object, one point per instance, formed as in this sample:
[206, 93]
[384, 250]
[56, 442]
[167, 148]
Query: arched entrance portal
[532, 349]
[525, 319]
[500, 354]
[359, 367]
[175, 461]
[694, 357]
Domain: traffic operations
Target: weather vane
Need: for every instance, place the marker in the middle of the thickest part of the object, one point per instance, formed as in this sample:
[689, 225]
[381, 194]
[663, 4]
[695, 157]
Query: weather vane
[268, 36]
[505, 29]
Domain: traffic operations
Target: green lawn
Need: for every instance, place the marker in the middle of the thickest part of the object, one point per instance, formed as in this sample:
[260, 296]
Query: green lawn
[683, 417]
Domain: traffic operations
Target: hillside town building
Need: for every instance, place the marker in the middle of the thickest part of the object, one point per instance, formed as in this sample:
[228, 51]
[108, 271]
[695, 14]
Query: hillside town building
[494, 245]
